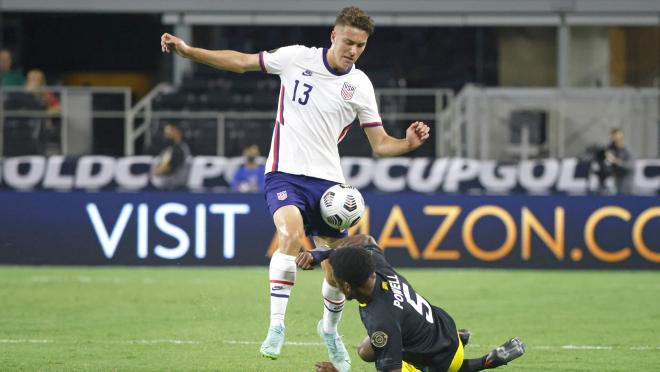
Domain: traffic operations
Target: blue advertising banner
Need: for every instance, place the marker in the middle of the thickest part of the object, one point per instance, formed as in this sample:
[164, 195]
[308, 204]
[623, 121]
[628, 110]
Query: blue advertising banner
[416, 230]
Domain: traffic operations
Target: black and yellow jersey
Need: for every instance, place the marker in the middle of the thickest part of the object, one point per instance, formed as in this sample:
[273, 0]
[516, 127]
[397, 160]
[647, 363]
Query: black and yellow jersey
[402, 325]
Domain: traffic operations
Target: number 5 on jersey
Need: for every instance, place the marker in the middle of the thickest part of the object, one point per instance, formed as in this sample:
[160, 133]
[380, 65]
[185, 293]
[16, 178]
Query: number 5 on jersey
[305, 94]
[420, 305]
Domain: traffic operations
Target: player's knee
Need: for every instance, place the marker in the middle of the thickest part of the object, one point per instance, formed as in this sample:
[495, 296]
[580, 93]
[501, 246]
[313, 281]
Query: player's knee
[365, 351]
[293, 236]
[291, 241]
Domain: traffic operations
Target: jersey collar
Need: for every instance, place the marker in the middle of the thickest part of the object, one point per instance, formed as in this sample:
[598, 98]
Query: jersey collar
[329, 68]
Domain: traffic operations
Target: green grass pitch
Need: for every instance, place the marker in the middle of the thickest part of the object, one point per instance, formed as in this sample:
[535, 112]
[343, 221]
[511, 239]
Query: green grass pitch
[178, 319]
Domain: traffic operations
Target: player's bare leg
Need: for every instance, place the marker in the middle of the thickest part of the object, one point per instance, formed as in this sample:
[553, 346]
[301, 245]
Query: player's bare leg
[333, 298]
[333, 305]
[282, 274]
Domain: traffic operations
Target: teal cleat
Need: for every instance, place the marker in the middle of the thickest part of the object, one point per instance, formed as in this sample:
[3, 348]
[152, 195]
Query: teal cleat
[336, 349]
[272, 345]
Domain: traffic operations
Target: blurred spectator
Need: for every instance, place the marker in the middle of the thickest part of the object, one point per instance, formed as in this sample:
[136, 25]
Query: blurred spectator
[49, 136]
[617, 155]
[35, 84]
[250, 175]
[613, 162]
[9, 77]
[172, 166]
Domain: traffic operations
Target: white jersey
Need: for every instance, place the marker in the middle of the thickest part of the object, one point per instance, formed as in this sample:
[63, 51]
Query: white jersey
[315, 110]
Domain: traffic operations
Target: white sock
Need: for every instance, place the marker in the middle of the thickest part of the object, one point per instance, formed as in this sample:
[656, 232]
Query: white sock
[333, 304]
[282, 275]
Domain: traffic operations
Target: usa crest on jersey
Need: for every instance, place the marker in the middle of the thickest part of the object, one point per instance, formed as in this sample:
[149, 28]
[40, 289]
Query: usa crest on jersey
[347, 91]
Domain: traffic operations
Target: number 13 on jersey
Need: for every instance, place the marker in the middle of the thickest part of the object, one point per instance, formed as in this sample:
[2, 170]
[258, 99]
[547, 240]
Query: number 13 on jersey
[304, 94]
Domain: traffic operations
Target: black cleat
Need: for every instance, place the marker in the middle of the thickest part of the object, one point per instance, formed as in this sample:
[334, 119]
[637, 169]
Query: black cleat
[464, 335]
[502, 355]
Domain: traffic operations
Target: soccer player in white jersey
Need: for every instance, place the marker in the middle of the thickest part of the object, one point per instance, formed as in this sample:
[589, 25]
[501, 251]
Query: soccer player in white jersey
[321, 94]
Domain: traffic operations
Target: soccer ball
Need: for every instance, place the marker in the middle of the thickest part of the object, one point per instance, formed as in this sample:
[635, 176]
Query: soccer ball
[342, 206]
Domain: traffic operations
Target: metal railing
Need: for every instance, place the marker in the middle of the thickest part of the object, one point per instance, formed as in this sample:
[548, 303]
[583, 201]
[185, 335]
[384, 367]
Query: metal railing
[480, 121]
[476, 123]
[144, 110]
[443, 99]
[68, 110]
[440, 98]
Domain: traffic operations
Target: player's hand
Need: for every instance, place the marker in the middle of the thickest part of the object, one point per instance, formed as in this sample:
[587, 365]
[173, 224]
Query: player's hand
[417, 133]
[305, 260]
[170, 43]
[325, 367]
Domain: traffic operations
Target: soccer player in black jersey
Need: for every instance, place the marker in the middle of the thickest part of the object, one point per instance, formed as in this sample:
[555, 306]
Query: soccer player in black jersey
[405, 331]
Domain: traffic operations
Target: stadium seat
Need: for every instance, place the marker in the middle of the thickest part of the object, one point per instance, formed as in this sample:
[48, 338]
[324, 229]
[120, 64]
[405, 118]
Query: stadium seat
[170, 101]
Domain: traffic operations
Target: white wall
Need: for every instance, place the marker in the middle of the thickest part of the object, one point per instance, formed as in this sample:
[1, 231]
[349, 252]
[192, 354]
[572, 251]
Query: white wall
[589, 57]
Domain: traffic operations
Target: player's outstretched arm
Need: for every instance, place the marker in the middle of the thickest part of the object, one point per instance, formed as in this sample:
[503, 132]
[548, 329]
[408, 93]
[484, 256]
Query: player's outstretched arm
[385, 145]
[307, 260]
[228, 60]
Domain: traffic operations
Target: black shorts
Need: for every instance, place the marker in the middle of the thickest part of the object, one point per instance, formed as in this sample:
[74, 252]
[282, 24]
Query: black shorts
[441, 361]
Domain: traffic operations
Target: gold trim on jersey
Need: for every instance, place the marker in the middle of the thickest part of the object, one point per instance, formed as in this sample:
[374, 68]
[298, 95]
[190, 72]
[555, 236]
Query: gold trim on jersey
[455, 365]
[457, 361]
[405, 367]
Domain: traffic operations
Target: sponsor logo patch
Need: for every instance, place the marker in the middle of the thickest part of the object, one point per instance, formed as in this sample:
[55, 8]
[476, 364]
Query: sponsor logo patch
[379, 339]
[347, 91]
[282, 195]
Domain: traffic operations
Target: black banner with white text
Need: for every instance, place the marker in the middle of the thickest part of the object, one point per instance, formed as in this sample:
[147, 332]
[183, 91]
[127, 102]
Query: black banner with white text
[426, 175]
